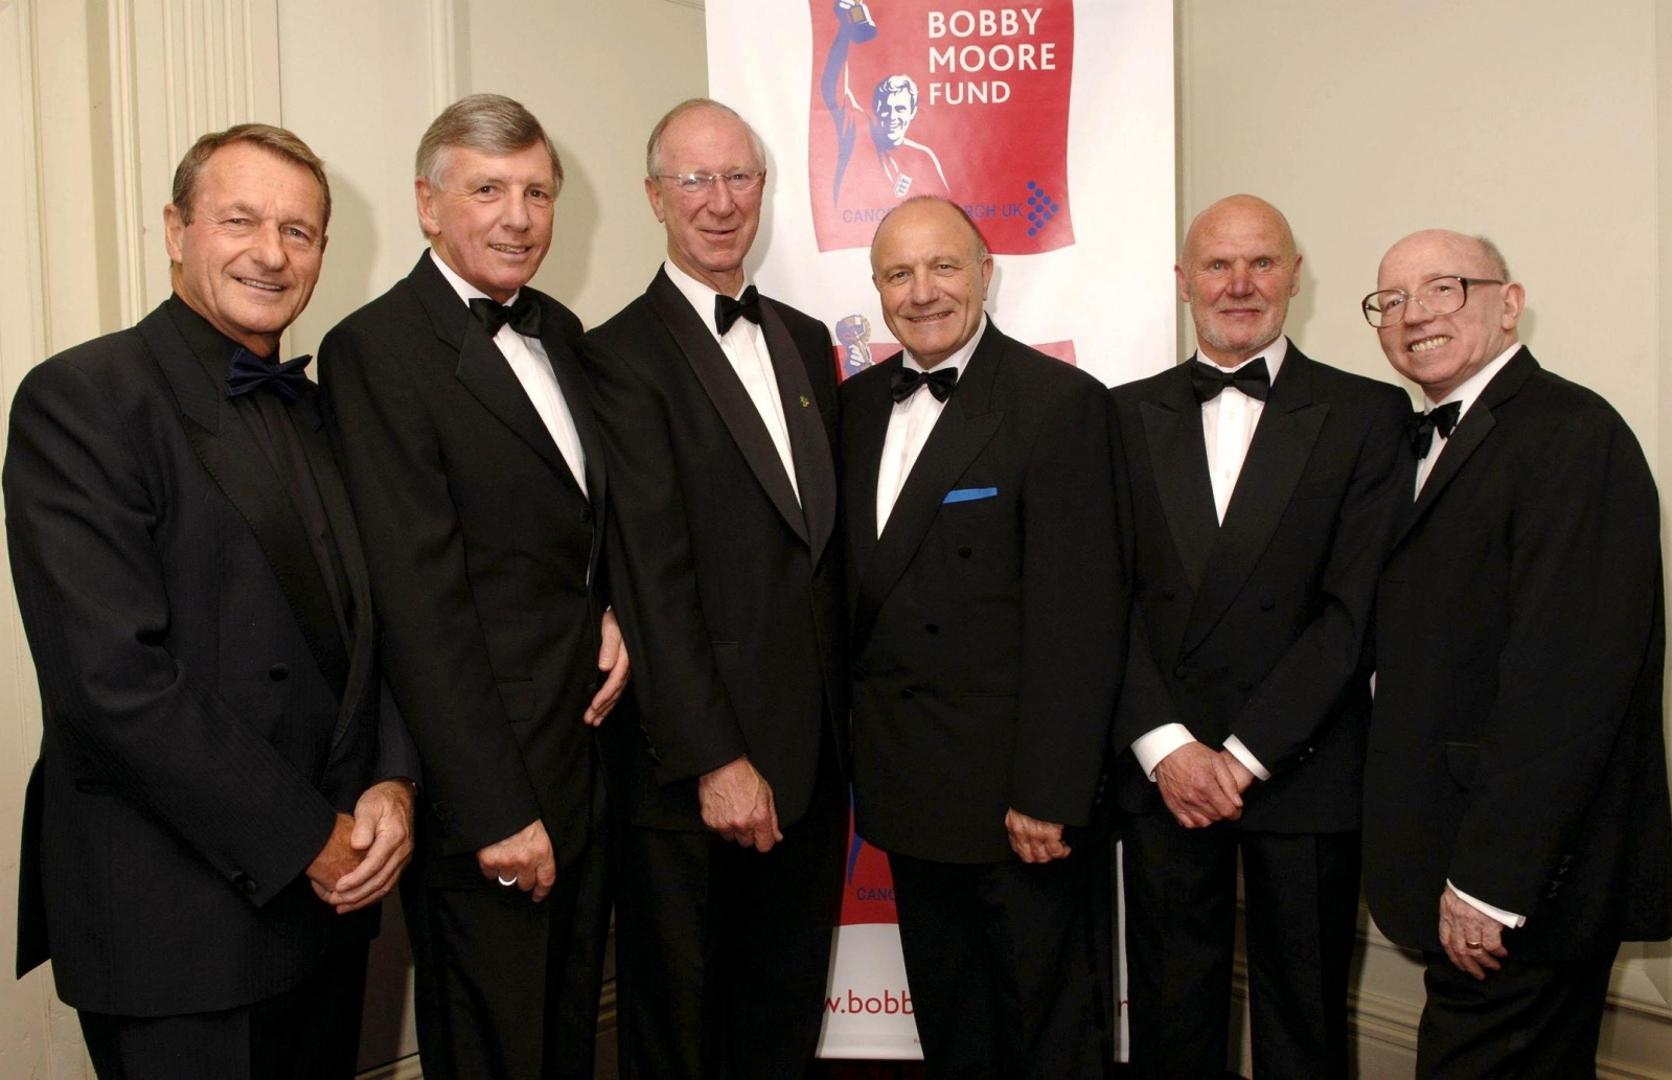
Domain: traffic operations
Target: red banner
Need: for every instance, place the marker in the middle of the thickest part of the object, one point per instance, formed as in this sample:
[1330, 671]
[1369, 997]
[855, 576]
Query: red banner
[923, 97]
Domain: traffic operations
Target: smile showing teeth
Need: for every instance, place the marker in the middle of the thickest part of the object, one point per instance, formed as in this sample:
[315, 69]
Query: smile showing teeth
[264, 286]
[1430, 343]
[510, 249]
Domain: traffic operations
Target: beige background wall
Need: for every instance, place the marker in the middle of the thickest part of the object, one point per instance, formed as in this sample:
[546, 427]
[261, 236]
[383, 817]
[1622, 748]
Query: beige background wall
[1546, 124]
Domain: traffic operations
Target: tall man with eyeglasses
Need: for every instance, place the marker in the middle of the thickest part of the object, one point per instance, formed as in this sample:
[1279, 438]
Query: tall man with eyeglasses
[1256, 492]
[718, 409]
[479, 484]
[1516, 812]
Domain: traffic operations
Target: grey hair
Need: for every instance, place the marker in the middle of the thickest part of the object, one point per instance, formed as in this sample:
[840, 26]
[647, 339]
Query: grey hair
[487, 123]
[653, 146]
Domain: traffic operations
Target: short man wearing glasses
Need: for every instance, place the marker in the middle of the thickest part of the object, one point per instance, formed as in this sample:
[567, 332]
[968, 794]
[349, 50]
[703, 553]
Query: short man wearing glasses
[1257, 492]
[1516, 823]
[718, 408]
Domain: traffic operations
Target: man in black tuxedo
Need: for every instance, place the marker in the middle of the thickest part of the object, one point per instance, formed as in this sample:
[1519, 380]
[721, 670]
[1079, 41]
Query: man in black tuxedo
[718, 408]
[222, 795]
[1516, 814]
[478, 481]
[1257, 491]
[987, 613]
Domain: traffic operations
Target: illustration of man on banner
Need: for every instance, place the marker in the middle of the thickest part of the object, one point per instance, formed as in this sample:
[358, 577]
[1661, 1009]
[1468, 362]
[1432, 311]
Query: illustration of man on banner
[898, 167]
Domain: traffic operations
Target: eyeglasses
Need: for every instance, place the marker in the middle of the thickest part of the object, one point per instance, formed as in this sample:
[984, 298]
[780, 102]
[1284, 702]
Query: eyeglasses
[696, 183]
[1441, 296]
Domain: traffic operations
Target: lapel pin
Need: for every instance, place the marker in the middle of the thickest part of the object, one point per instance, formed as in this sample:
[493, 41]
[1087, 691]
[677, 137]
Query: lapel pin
[805, 403]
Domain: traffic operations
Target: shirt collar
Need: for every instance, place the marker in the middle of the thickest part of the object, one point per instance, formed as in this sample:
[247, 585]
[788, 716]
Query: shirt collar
[958, 360]
[1471, 387]
[1273, 354]
[467, 292]
[698, 294]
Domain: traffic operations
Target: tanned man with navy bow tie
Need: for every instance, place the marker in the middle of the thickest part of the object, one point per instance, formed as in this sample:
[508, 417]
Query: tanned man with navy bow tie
[479, 483]
[1257, 489]
[224, 791]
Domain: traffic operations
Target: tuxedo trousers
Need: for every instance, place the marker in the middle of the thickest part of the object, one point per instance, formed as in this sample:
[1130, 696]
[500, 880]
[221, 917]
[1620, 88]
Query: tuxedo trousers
[507, 989]
[723, 952]
[310, 1032]
[1301, 893]
[1523, 1022]
[1002, 963]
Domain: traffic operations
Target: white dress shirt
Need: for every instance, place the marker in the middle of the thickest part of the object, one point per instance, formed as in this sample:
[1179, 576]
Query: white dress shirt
[1468, 392]
[745, 347]
[533, 369]
[1228, 423]
[909, 425]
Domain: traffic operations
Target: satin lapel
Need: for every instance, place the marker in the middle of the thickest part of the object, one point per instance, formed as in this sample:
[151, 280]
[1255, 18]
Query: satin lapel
[815, 473]
[1471, 431]
[1283, 440]
[578, 396]
[482, 368]
[237, 465]
[965, 426]
[339, 512]
[1179, 464]
[864, 427]
[730, 399]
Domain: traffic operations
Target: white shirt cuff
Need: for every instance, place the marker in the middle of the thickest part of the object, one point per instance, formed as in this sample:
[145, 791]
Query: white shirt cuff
[1154, 745]
[1246, 756]
[1508, 918]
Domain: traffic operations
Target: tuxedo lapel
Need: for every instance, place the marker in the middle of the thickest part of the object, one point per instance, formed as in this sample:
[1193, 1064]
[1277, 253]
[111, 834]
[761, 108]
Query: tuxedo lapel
[1470, 432]
[730, 399]
[809, 442]
[482, 368]
[1179, 464]
[864, 428]
[239, 467]
[965, 426]
[578, 396]
[1283, 440]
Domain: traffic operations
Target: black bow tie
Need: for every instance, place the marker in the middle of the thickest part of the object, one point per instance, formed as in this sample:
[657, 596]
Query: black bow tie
[1423, 425]
[728, 310]
[1208, 380]
[523, 316]
[907, 381]
[248, 372]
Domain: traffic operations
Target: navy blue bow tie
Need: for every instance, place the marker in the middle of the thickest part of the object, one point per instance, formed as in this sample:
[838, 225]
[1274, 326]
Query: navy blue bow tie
[908, 381]
[247, 372]
[523, 315]
[728, 310]
[1252, 379]
[1423, 425]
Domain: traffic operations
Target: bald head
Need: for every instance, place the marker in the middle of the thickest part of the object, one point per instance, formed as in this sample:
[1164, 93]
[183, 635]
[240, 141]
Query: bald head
[1439, 352]
[1238, 272]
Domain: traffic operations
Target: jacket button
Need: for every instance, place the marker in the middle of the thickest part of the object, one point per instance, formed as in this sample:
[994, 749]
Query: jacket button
[279, 672]
[586, 514]
[931, 628]
[245, 883]
[1169, 592]
[907, 693]
[965, 552]
[1267, 603]
[1180, 672]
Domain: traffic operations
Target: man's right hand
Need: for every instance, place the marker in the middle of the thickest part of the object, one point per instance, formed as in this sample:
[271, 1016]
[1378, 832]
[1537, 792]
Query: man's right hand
[335, 859]
[1198, 786]
[524, 858]
[737, 803]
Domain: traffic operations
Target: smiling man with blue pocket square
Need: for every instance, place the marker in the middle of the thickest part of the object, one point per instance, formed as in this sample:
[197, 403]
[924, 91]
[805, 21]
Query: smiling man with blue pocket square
[987, 613]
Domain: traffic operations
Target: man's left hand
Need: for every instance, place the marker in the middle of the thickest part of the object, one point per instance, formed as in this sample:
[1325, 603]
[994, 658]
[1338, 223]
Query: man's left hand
[612, 660]
[383, 833]
[1239, 772]
[1471, 938]
[1034, 841]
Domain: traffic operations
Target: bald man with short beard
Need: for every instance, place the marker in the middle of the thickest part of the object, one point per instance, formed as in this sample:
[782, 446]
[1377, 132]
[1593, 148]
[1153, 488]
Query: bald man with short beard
[1516, 813]
[1257, 489]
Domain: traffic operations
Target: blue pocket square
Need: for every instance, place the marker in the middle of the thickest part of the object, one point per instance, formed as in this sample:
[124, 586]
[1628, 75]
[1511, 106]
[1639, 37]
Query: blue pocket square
[958, 495]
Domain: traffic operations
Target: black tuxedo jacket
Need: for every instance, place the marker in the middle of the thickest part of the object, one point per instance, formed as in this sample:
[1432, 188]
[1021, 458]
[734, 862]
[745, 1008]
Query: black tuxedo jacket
[1516, 747]
[205, 719]
[1257, 627]
[484, 557]
[729, 590]
[987, 618]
